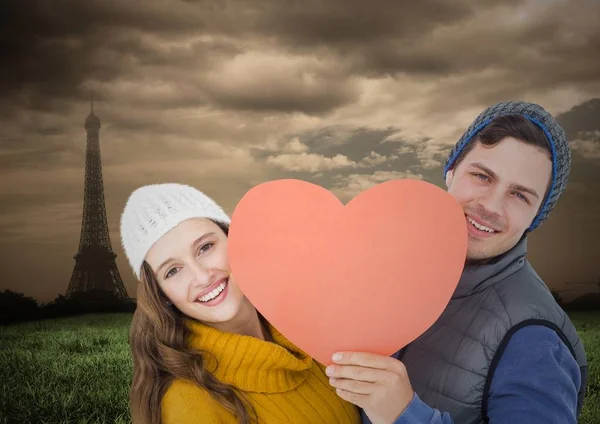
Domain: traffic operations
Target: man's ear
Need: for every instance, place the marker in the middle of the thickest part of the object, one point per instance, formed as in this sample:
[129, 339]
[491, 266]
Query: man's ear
[449, 177]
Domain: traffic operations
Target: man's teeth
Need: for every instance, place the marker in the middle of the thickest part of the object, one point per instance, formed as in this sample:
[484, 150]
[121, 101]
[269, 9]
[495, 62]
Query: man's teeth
[480, 227]
[214, 293]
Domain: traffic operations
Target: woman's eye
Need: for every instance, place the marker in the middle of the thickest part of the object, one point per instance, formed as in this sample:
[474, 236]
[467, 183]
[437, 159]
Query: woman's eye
[206, 247]
[171, 272]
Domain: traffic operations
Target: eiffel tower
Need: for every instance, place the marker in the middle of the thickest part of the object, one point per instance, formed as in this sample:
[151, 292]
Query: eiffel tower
[95, 282]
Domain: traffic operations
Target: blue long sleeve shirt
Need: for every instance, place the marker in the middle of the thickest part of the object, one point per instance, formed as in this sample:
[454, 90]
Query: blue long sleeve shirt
[536, 381]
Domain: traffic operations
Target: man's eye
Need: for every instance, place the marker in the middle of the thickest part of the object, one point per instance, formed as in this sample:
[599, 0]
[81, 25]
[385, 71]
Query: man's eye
[481, 176]
[520, 196]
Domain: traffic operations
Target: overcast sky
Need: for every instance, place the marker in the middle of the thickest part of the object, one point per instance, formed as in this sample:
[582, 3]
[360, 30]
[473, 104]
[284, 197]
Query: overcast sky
[224, 95]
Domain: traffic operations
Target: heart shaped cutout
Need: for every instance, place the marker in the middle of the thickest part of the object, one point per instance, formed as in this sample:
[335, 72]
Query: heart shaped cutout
[369, 276]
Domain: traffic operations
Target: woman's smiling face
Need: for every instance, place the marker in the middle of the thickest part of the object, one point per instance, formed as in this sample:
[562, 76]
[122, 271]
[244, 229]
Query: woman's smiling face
[191, 266]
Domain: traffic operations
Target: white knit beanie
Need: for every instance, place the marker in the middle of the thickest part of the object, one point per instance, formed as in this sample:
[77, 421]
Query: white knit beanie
[152, 210]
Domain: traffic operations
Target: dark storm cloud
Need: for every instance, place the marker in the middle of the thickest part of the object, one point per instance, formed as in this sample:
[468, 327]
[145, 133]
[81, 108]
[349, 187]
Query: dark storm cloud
[513, 48]
[581, 118]
[354, 143]
[582, 126]
[53, 52]
[343, 24]
[290, 100]
[43, 157]
[224, 95]
[51, 55]
[50, 50]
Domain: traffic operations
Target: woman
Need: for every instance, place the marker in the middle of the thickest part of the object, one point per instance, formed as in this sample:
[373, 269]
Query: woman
[201, 351]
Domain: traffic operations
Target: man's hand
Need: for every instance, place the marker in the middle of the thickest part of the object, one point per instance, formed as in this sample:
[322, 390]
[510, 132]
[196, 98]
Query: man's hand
[377, 384]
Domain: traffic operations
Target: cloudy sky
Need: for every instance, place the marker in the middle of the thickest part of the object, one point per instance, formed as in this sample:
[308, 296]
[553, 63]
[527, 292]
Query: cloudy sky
[224, 95]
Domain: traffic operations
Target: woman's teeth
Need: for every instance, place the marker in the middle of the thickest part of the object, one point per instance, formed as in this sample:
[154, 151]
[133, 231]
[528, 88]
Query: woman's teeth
[210, 296]
[480, 227]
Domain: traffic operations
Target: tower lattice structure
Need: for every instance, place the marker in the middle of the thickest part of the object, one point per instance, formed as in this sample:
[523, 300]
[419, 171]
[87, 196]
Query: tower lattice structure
[95, 275]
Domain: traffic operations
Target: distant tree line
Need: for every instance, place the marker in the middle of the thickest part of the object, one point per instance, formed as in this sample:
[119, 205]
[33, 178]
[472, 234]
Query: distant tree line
[16, 307]
[586, 302]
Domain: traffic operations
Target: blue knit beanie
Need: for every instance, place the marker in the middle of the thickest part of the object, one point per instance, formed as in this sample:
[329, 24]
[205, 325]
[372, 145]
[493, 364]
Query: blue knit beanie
[559, 148]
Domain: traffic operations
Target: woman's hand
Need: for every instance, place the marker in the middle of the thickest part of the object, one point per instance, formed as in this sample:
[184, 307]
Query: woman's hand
[377, 384]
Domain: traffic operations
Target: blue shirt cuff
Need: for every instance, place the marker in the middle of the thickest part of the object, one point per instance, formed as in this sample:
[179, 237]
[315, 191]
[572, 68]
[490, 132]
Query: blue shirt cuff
[417, 412]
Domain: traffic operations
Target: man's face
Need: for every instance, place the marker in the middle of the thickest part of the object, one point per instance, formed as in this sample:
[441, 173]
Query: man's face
[500, 189]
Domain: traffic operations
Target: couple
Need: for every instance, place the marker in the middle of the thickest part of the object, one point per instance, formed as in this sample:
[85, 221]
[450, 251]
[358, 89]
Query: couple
[502, 351]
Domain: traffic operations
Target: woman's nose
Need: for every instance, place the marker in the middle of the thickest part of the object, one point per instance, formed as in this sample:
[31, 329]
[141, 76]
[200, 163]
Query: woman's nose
[201, 273]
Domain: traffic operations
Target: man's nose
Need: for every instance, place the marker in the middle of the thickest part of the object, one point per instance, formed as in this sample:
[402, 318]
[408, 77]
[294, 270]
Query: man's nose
[492, 201]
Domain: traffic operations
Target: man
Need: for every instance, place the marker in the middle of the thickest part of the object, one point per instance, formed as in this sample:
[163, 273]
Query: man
[503, 351]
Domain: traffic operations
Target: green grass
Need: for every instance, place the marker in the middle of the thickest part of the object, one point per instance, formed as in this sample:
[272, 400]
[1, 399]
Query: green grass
[69, 370]
[78, 370]
[588, 327]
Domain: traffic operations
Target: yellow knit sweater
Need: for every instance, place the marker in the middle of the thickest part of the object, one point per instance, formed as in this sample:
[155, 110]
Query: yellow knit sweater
[283, 384]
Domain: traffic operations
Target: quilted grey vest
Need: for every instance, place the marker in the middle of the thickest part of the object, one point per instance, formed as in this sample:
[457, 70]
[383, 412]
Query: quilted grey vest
[452, 364]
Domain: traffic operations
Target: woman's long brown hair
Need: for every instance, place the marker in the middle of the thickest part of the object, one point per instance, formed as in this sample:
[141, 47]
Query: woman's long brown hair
[159, 345]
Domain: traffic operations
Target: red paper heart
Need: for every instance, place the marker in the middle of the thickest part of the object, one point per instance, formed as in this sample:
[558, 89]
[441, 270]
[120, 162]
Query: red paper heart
[370, 276]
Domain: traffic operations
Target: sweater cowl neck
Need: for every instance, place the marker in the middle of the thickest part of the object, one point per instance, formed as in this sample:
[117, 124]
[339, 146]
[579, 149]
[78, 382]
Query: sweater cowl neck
[248, 363]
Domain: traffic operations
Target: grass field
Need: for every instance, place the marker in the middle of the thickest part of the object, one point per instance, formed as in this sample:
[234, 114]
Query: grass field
[78, 370]
[69, 370]
[588, 327]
